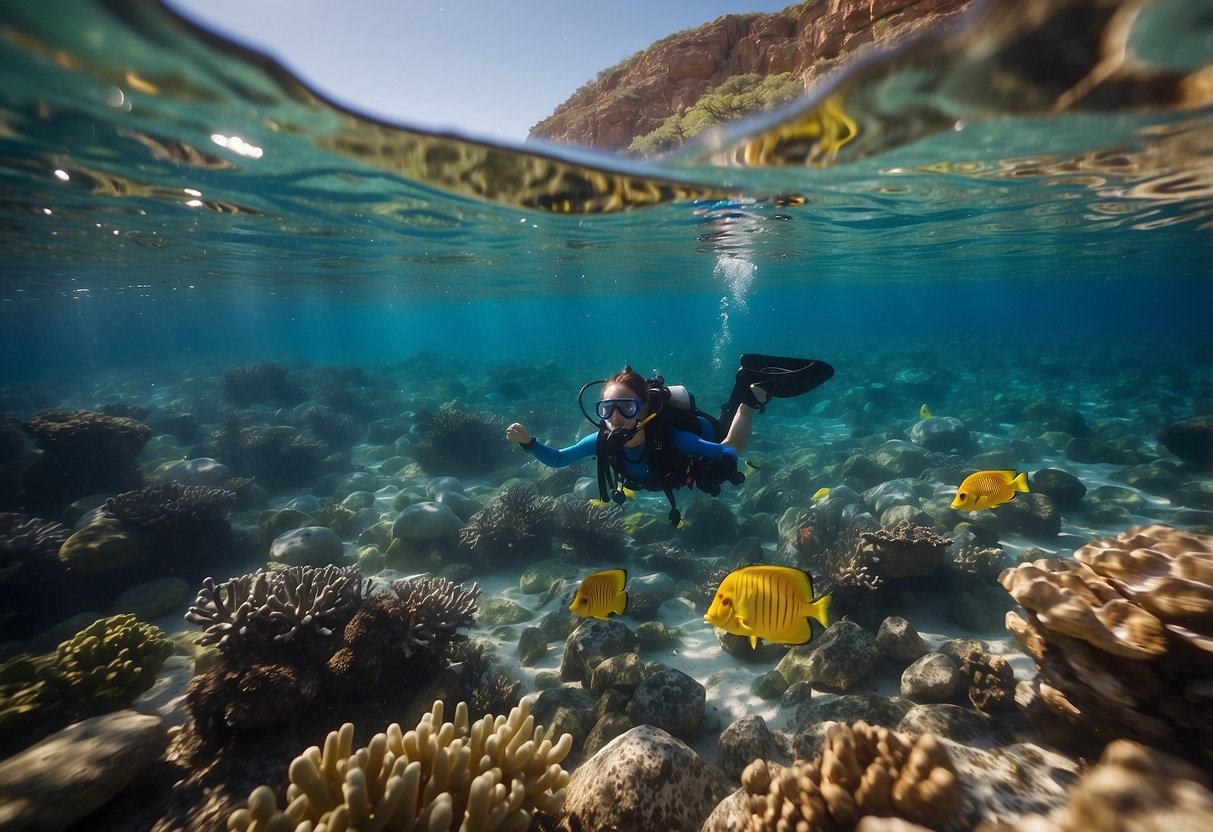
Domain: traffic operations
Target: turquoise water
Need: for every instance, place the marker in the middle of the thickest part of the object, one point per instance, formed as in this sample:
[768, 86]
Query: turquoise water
[1006, 226]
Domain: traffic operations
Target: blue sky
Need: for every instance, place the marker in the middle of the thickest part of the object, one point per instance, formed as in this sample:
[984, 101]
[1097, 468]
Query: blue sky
[486, 67]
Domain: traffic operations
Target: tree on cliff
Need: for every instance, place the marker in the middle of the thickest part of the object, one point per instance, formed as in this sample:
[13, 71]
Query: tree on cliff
[737, 96]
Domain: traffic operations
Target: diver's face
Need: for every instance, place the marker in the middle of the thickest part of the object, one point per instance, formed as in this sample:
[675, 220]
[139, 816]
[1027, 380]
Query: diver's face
[617, 419]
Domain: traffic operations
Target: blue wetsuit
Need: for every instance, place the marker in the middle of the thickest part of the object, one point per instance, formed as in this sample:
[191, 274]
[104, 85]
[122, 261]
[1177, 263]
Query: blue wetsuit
[636, 461]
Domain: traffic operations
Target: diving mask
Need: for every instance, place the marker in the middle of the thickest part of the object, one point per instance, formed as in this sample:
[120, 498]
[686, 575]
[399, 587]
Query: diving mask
[627, 408]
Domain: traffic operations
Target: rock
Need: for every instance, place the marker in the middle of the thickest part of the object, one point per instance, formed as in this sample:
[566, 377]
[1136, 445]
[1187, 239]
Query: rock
[932, 678]
[898, 640]
[956, 723]
[463, 505]
[550, 701]
[903, 458]
[532, 646]
[1191, 440]
[1000, 785]
[1088, 449]
[200, 471]
[1149, 477]
[1032, 515]
[744, 741]
[308, 546]
[708, 522]
[642, 781]
[1063, 488]
[811, 720]
[657, 584]
[739, 647]
[441, 485]
[770, 685]
[622, 671]
[943, 433]
[609, 726]
[1197, 494]
[357, 481]
[653, 635]
[68, 775]
[539, 576]
[670, 700]
[427, 521]
[843, 655]
[154, 598]
[591, 643]
[495, 611]
[889, 494]
[1050, 416]
[974, 614]
[105, 544]
[915, 516]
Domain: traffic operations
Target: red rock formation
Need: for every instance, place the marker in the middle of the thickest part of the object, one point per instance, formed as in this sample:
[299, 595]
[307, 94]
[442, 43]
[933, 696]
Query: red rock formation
[807, 39]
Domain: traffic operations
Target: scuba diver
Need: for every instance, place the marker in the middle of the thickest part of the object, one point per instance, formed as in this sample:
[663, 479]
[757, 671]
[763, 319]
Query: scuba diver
[651, 436]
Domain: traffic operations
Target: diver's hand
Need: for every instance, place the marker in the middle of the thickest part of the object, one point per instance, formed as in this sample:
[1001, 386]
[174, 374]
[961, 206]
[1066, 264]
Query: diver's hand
[517, 433]
[719, 470]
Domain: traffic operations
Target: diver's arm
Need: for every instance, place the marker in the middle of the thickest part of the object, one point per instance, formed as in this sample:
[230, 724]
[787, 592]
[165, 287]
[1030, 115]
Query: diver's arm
[554, 458]
[691, 445]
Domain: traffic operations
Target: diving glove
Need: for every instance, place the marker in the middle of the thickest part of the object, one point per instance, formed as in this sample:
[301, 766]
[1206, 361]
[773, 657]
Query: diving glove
[722, 469]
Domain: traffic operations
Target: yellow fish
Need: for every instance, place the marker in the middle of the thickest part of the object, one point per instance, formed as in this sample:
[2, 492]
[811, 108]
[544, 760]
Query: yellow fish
[601, 594]
[924, 412]
[821, 492]
[770, 602]
[987, 489]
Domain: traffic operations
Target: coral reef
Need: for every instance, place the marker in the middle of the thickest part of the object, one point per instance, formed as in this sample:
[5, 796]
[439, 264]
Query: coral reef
[335, 428]
[907, 550]
[100, 669]
[83, 452]
[487, 687]
[1132, 788]
[277, 456]
[458, 443]
[26, 542]
[495, 773]
[517, 524]
[247, 384]
[248, 611]
[188, 523]
[1122, 641]
[863, 770]
[983, 563]
[591, 532]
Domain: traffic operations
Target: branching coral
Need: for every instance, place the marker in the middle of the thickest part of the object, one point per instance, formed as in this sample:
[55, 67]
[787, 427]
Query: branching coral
[246, 384]
[253, 609]
[23, 537]
[278, 456]
[982, 562]
[518, 523]
[906, 550]
[863, 770]
[170, 507]
[496, 773]
[1122, 640]
[488, 688]
[590, 531]
[459, 443]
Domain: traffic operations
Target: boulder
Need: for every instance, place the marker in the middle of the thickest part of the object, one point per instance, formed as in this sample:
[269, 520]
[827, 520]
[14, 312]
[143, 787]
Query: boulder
[153, 599]
[670, 700]
[943, 433]
[932, 678]
[592, 642]
[200, 471]
[68, 775]
[898, 640]
[427, 520]
[307, 546]
[644, 780]
[843, 655]
[1191, 440]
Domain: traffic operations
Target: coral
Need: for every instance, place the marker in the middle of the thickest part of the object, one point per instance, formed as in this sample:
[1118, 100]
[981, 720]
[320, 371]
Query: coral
[235, 695]
[335, 428]
[251, 610]
[1121, 640]
[518, 523]
[248, 384]
[170, 507]
[981, 562]
[488, 688]
[1132, 788]
[26, 540]
[126, 411]
[407, 627]
[277, 456]
[458, 443]
[906, 550]
[102, 668]
[590, 531]
[495, 773]
[989, 681]
[863, 770]
[83, 453]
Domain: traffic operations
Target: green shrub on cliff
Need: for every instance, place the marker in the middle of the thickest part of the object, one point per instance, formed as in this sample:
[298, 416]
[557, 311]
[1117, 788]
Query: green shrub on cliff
[736, 97]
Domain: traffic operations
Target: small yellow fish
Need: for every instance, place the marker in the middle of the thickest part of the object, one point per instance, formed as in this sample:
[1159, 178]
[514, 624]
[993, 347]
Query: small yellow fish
[821, 492]
[987, 489]
[601, 594]
[594, 501]
[770, 602]
[924, 412]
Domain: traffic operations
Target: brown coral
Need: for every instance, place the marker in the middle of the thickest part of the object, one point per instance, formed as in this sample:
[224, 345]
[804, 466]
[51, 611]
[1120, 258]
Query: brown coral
[1121, 640]
[906, 550]
[863, 770]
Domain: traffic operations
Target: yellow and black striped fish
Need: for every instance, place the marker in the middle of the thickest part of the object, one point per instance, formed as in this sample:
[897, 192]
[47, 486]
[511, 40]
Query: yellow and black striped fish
[770, 602]
[601, 594]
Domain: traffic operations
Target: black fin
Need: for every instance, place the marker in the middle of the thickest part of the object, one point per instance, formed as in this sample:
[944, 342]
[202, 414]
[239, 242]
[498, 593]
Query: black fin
[783, 377]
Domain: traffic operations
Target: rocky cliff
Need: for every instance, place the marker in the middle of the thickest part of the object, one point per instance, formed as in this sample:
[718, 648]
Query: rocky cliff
[808, 39]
